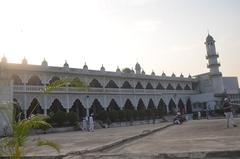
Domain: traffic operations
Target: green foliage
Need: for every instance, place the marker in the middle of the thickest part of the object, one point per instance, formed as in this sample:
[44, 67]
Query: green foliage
[72, 118]
[43, 142]
[61, 83]
[59, 118]
[126, 70]
[14, 145]
[113, 115]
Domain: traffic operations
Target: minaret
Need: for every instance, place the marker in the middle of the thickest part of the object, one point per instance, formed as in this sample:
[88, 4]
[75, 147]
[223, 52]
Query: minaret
[213, 65]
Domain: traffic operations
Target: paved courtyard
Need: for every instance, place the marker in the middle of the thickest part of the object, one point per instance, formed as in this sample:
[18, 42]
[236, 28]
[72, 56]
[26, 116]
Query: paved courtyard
[192, 136]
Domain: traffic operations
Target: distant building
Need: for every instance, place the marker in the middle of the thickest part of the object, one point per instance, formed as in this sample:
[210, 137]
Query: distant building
[131, 89]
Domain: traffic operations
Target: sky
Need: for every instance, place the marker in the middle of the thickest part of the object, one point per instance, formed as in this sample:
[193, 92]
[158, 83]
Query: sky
[161, 35]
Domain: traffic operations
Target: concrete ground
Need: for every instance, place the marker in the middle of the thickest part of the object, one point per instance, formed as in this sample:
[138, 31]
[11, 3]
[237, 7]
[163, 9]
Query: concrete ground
[79, 141]
[193, 138]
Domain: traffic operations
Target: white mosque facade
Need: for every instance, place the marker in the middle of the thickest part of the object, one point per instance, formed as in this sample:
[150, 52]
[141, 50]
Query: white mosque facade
[132, 89]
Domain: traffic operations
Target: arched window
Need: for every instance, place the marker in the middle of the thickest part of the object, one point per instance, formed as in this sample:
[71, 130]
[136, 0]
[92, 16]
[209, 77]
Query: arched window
[139, 86]
[18, 112]
[56, 106]
[187, 87]
[151, 105]
[34, 108]
[54, 79]
[34, 80]
[189, 106]
[159, 86]
[172, 107]
[149, 86]
[170, 87]
[162, 107]
[181, 107]
[111, 84]
[79, 109]
[128, 105]
[126, 85]
[17, 80]
[95, 83]
[96, 108]
[141, 105]
[113, 105]
[179, 87]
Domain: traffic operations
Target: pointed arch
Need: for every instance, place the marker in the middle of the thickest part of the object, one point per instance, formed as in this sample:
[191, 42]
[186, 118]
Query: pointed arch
[96, 108]
[149, 86]
[95, 83]
[179, 87]
[78, 108]
[126, 85]
[151, 105]
[141, 105]
[16, 80]
[189, 106]
[111, 84]
[18, 112]
[139, 86]
[162, 107]
[113, 106]
[128, 105]
[56, 106]
[187, 87]
[170, 87]
[53, 79]
[34, 108]
[172, 107]
[181, 106]
[160, 87]
[34, 80]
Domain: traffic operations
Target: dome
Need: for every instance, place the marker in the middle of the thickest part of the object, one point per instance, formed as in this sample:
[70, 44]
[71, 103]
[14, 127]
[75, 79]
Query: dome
[24, 61]
[85, 67]
[173, 75]
[44, 62]
[153, 73]
[181, 75]
[143, 72]
[4, 59]
[102, 68]
[118, 69]
[66, 64]
[163, 74]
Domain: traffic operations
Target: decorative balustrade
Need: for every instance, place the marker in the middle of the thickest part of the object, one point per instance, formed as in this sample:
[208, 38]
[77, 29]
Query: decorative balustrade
[27, 88]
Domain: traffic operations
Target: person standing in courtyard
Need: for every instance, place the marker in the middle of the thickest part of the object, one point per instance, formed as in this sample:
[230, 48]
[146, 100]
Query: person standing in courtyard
[85, 121]
[91, 123]
[227, 107]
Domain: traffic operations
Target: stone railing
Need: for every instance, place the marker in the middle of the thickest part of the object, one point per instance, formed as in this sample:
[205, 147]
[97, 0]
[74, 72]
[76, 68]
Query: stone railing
[36, 89]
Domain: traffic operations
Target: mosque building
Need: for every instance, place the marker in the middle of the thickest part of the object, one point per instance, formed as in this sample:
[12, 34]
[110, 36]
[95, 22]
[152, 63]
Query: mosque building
[130, 89]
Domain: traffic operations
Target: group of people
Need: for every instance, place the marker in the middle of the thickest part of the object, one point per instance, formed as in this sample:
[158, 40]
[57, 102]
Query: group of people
[88, 123]
[228, 112]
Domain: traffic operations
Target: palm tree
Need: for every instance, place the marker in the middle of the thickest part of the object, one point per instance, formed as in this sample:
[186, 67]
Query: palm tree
[13, 146]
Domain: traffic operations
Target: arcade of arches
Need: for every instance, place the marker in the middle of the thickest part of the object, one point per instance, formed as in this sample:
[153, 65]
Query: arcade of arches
[96, 107]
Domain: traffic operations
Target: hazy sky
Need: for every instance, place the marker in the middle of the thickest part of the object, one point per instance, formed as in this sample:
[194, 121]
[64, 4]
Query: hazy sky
[162, 35]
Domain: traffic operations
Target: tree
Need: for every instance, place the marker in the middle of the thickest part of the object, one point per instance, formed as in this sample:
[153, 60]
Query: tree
[13, 146]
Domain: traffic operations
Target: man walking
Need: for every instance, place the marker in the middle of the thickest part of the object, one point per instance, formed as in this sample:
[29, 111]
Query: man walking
[227, 107]
[91, 123]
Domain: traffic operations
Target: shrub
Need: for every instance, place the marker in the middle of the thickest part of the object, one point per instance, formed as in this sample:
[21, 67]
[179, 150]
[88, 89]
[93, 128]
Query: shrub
[59, 118]
[113, 115]
[72, 118]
